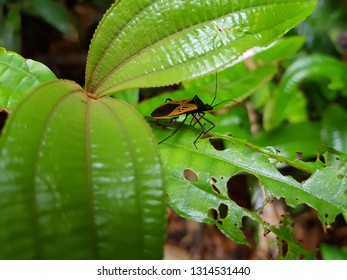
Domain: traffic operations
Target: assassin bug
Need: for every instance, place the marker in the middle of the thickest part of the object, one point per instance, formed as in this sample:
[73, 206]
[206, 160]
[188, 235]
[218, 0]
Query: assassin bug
[190, 106]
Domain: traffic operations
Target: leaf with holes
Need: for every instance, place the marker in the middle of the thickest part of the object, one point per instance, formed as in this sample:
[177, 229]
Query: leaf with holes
[155, 43]
[200, 199]
[289, 249]
[80, 179]
[329, 188]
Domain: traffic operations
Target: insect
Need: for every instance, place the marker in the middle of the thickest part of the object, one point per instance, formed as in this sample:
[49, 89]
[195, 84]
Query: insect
[190, 106]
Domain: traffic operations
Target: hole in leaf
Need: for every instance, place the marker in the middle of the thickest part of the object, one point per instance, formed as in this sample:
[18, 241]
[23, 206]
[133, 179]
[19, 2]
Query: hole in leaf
[223, 210]
[214, 187]
[217, 143]
[284, 250]
[3, 118]
[213, 214]
[214, 179]
[190, 175]
[299, 155]
[297, 174]
[249, 228]
[326, 215]
[237, 188]
[220, 222]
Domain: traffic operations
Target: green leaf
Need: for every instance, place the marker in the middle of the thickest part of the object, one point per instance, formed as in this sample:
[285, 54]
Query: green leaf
[328, 186]
[280, 50]
[292, 139]
[233, 122]
[154, 43]
[130, 96]
[323, 191]
[236, 82]
[289, 249]
[309, 68]
[254, 69]
[80, 179]
[18, 77]
[211, 170]
[333, 253]
[334, 130]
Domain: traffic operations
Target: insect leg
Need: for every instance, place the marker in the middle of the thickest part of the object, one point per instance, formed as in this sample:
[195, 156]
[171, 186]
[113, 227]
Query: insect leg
[212, 124]
[193, 119]
[176, 129]
[203, 131]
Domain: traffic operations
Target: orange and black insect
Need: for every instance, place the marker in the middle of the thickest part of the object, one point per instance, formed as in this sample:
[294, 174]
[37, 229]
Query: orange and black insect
[190, 106]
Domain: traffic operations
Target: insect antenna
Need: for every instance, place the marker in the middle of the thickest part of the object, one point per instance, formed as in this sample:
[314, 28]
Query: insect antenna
[225, 101]
[215, 90]
[215, 95]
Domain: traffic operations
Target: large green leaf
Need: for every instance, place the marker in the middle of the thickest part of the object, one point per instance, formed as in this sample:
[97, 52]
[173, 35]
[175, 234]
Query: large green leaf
[144, 43]
[80, 179]
[237, 82]
[18, 77]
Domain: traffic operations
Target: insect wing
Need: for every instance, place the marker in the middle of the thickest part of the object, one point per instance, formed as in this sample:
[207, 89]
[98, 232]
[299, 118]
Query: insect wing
[164, 110]
[174, 108]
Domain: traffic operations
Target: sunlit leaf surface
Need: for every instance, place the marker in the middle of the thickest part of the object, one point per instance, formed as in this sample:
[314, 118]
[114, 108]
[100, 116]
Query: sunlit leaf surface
[154, 43]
